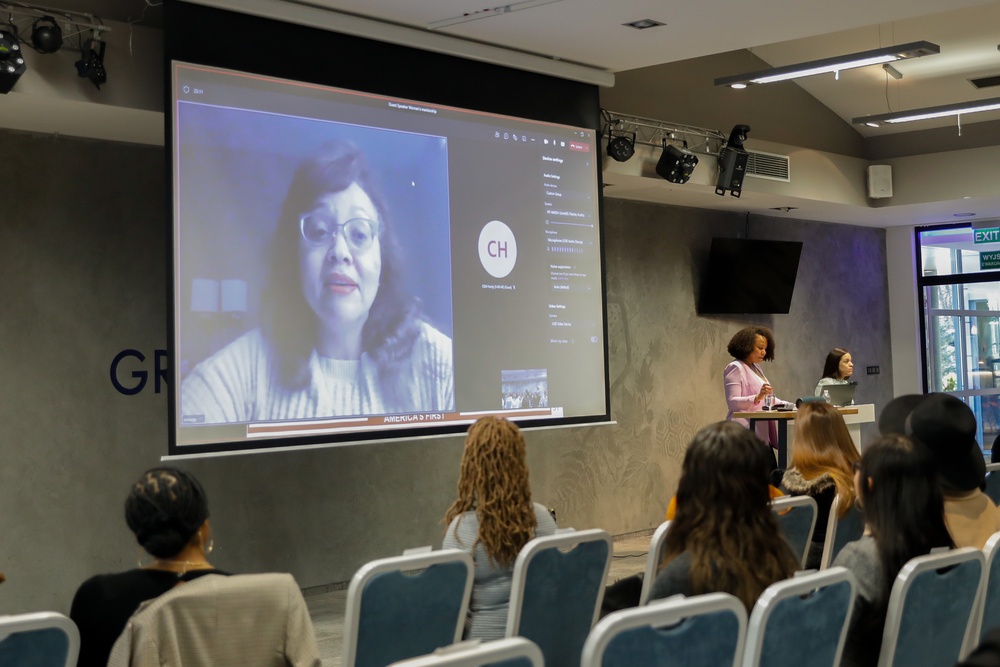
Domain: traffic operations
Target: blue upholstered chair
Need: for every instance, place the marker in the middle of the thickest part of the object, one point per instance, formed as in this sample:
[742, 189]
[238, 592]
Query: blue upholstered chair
[656, 544]
[801, 622]
[841, 530]
[406, 606]
[556, 592]
[796, 517]
[930, 609]
[699, 631]
[993, 482]
[988, 609]
[508, 652]
[43, 639]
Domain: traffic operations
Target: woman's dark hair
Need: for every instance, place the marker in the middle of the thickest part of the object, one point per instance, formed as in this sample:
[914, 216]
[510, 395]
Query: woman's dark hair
[831, 369]
[724, 518]
[902, 504]
[287, 319]
[741, 344]
[165, 509]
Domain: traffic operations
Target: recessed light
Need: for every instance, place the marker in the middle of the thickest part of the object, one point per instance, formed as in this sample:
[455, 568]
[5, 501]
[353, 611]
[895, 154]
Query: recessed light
[784, 209]
[642, 24]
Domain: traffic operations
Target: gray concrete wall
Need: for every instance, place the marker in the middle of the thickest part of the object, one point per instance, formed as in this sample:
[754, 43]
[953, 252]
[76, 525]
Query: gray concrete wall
[83, 272]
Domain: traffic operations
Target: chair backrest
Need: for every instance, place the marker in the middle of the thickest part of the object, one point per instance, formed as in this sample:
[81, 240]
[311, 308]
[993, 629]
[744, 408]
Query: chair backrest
[796, 517]
[841, 530]
[993, 482]
[244, 620]
[406, 606]
[988, 609]
[508, 652]
[801, 622]
[41, 639]
[656, 544]
[556, 592]
[699, 631]
[930, 608]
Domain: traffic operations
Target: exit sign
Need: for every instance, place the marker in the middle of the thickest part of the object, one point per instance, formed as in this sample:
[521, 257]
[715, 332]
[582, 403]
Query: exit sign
[990, 235]
[989, 260]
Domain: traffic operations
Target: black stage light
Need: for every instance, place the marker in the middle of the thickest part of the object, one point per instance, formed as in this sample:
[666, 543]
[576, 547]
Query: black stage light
[621, 147]
[91, 65]
[46, 35]
[12, 64]
[733, 163]
[676, 164]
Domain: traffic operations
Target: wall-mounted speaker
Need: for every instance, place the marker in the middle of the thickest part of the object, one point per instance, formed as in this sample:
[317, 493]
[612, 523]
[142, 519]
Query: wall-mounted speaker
[879, 181]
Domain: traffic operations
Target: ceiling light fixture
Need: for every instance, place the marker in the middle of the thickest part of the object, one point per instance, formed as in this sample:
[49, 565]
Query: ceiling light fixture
[927, 113]
[12, 64]
[488, 12]
[836, 65]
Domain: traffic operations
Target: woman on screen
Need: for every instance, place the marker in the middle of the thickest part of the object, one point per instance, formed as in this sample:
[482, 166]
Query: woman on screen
[493, 519]
[746, 385]
[167, 511]
[339, 333]
[837, 369]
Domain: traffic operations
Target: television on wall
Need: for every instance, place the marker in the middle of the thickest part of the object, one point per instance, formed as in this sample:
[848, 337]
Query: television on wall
[749, 276]
[453, 227]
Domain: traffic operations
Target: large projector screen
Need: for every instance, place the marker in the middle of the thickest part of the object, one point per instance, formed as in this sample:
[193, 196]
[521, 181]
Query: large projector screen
[351, 265]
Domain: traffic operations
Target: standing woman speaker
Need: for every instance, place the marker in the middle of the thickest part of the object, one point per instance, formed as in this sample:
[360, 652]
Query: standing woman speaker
[746, 386]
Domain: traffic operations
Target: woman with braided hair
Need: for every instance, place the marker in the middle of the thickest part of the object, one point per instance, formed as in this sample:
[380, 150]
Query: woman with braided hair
[493, 519]
[168, 512]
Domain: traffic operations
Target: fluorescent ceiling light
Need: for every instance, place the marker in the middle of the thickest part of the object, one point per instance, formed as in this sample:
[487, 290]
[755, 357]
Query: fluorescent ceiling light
[926, 113]
[850, 61]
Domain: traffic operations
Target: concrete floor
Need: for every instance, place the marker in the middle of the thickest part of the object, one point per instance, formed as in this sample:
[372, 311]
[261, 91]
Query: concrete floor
[327, 606]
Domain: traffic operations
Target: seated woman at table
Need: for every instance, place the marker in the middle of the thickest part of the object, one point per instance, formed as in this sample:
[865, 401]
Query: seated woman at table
[837, 369]
[822, 467]
[745, 382]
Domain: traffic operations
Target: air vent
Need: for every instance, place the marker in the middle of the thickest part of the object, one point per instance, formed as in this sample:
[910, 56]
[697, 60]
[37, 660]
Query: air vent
[771, 166]
[986, 81]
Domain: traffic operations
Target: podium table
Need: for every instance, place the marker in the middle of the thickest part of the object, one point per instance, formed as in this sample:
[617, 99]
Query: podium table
[782, 417]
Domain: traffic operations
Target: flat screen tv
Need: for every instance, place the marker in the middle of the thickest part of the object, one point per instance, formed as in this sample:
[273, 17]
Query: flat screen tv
[749, 276]
[374, 242]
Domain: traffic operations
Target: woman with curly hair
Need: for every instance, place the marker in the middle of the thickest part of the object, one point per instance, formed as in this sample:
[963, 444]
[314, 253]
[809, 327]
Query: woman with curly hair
[724, 537]
[745, 383]
[493, 519]
[339, 334]
[822, 467]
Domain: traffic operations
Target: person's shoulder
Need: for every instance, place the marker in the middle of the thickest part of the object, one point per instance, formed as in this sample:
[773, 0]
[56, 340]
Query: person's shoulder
[431, 336]
[734, 366]
[546, 524]
[859, 551]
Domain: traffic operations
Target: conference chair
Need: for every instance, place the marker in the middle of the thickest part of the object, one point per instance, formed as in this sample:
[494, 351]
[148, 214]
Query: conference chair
[243, 620]
[796, 517]
[656, 545]
[988, 607]
[406, 606]
[993, 482]
[699, 631]
[930, 608]
[556, 592]
[508, 652]
[802, 621]
[41, 639]
[841, 530]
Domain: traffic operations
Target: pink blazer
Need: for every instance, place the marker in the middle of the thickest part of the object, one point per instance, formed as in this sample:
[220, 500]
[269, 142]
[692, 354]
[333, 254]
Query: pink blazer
[742, 387]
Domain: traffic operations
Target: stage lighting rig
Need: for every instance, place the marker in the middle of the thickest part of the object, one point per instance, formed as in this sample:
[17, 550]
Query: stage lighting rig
[733, 163]
[12, 64]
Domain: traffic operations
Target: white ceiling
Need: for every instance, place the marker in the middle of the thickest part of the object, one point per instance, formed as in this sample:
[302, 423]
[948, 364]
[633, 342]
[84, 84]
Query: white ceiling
[780, 32]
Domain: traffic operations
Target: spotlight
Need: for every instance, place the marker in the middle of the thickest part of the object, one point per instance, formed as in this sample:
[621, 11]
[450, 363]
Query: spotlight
[733, 163]
[91, 65]
[622, 146]
[46, 35]
[11, 59]
[676, 164]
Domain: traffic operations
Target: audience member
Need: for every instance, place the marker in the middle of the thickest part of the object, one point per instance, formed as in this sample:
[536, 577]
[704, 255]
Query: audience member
[724, 536]
[168, 512]
[897, 489]
[822, 467]
[493, 519]
[987, 654]
[947, 426]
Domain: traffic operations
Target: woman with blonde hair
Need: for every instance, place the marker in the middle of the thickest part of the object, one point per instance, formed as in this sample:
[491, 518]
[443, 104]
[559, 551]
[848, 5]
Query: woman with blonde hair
[823, 460]
[493, 519]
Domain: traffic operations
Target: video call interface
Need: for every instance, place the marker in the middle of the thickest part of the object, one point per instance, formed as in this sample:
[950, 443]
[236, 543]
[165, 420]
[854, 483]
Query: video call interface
[497, 239]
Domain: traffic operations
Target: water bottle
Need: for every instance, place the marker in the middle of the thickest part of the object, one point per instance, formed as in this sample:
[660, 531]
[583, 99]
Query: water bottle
[826, 396]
